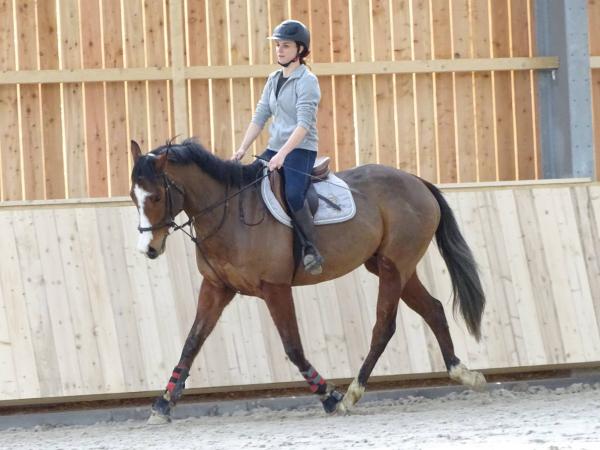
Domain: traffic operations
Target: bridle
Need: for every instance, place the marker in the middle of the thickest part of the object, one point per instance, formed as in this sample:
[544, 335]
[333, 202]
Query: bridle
[168, 220]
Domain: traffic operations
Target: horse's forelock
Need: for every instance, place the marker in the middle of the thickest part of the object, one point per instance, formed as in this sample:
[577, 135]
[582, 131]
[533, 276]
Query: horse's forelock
[145, 168]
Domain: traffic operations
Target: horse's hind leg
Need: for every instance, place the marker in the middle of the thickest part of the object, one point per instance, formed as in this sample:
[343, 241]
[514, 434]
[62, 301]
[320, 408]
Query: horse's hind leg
[281, 307]
[419, 300]
[211, 303]
[390, 288]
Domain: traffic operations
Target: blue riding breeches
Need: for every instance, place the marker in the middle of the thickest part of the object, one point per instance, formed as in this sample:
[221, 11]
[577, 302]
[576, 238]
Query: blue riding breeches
[296, 175]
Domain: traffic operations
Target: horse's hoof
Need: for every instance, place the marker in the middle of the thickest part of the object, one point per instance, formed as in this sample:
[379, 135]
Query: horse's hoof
[157, 418]
[471, 378]
[331, 401]
[353, 394]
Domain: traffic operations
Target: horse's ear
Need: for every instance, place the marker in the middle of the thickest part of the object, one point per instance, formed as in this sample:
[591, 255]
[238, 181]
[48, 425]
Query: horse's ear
[136, 151]
[160, 162]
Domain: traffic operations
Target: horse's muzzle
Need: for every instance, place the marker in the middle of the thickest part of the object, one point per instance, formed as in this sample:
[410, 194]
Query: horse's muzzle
[152, 253]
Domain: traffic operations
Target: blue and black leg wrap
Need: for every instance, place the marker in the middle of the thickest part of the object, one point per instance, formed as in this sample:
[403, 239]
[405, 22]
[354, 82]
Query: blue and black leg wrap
[330, 400]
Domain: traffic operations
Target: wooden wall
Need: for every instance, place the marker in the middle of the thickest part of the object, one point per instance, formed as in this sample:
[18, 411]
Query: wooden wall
[64, 136]
[82, 313]
[594, 26]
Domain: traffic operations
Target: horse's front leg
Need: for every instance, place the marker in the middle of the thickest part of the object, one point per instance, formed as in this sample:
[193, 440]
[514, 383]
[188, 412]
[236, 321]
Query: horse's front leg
[211, 303]
[281, 307]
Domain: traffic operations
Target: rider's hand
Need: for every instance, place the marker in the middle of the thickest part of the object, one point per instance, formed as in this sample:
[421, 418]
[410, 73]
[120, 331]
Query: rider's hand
[239, 154]
[276, 162]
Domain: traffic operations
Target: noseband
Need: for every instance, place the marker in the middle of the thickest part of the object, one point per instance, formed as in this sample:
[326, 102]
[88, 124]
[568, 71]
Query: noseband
[168, 221]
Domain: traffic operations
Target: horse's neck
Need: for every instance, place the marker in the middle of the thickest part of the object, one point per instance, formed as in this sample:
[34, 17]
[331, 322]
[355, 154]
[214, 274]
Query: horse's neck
[202, 192]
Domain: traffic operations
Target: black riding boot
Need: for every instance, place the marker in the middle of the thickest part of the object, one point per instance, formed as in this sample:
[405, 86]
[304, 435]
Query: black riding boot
[305, 227]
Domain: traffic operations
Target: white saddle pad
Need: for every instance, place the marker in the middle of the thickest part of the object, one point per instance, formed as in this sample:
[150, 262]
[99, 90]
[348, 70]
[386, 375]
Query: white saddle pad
[333, 188]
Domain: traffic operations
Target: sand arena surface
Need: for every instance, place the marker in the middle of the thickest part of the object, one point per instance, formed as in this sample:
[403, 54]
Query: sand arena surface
[537, 418]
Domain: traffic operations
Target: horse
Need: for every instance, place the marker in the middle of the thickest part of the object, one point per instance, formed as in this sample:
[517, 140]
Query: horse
[397, 216]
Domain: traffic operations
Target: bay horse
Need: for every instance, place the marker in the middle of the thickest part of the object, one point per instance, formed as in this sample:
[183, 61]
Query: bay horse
[397, 216]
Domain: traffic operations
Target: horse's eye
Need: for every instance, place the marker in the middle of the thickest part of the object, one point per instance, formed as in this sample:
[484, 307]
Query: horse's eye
[155, 198]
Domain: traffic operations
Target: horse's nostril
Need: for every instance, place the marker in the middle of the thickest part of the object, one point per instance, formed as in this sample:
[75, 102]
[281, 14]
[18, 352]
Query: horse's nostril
[152, 253]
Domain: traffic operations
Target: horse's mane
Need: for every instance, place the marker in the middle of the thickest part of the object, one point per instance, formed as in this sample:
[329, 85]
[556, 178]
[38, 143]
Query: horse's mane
[192, 152]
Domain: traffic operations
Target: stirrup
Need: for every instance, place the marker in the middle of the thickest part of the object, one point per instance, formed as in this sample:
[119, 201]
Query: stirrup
[313, 263]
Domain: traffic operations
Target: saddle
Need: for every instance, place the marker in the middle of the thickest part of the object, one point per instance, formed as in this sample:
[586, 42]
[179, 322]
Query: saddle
[329, 197]
[320, 172]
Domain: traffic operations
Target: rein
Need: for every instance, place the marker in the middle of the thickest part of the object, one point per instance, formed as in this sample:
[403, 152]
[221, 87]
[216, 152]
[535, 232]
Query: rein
[169, 221]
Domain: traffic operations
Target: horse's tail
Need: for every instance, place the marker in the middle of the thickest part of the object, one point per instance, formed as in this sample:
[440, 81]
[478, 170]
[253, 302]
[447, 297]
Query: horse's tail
[466, 286]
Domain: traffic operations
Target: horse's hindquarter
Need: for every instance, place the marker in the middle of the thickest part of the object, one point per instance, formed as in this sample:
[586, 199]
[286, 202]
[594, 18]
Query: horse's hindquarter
[396, 217]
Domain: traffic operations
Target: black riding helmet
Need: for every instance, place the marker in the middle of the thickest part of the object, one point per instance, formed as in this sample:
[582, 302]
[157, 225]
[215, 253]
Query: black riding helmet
[293, 30]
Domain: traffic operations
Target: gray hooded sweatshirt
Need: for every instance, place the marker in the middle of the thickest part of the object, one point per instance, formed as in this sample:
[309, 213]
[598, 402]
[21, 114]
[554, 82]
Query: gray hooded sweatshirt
[296, 105]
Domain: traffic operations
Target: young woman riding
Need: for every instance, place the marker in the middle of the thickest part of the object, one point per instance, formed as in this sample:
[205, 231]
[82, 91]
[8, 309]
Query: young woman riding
[291, 95]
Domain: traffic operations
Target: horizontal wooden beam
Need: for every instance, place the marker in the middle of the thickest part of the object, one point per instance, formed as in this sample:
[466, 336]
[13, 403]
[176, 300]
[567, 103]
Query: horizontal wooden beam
[262, 70]
[112, 202]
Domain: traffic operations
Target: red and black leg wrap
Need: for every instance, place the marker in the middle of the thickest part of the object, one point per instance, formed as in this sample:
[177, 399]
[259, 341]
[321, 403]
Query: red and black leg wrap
[176, 383]
[317, 383]
[165, 402]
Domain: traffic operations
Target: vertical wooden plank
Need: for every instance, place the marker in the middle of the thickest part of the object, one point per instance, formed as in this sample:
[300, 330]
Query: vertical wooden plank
[78, 301]
[594, 24]
[471, 228]
[363, 84]
[72, 97]
[240, 55]
[428, 161]
[343, 88]
[335, 340]
[582, 304]
[260, 50]
[590, 209]
[93, 93]
[120, 295]
[144, 310]
[278, 12]
[137, 111]
[444, 88]
[484, 120]
[463, 87]
[507, 353]
[54, 164]
[312, 329]
[197, 53]
[21, 332]
[405, 94]
[116, 115]
[220, 95]
[159, 101]
[551, 219]
[520, 296]
[384, 85]
[180, 116]
[259, 370]
[321, 52]
[9, 120]
[38, 310]
[300, 11]
[523, 106]
[541, 274]
[503, 94]
[68, 379]
[103, 314]
[31, 129]
[355, 337]
[9, 388]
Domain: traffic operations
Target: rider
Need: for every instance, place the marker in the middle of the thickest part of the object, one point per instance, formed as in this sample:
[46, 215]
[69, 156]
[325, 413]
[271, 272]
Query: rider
[291, 95]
